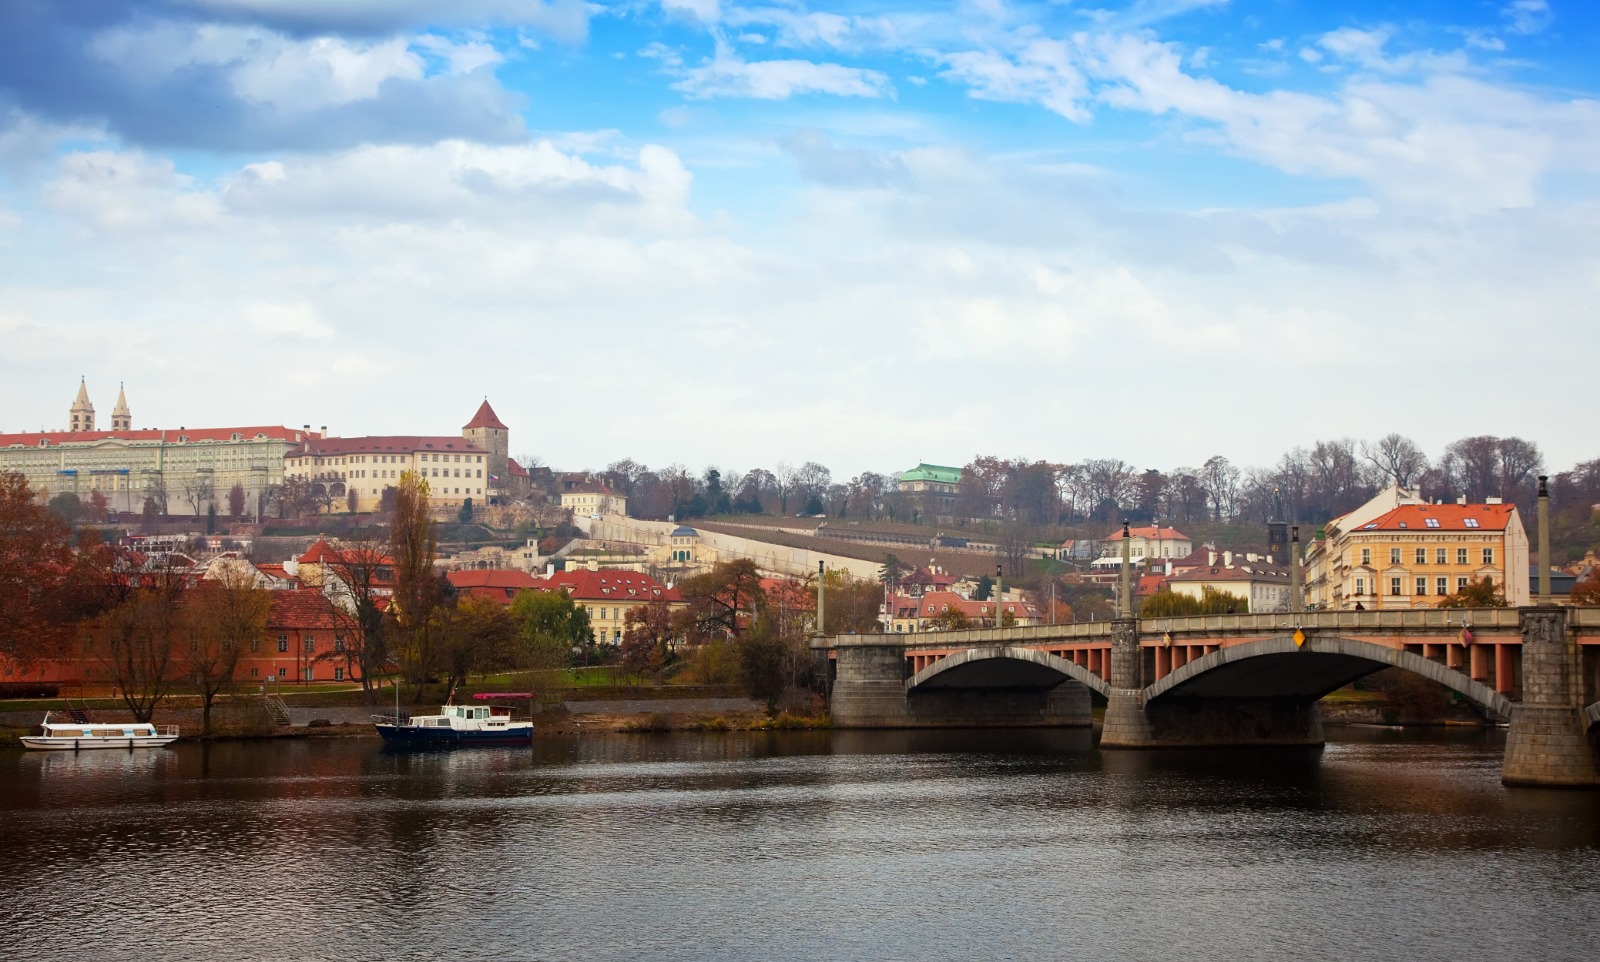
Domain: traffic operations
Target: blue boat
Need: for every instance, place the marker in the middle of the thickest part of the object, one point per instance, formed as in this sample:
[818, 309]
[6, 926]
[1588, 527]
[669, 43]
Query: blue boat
[456, 726]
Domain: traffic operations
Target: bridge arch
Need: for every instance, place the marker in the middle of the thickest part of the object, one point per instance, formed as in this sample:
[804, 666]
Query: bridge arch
[1277, 667]
[1003, 666]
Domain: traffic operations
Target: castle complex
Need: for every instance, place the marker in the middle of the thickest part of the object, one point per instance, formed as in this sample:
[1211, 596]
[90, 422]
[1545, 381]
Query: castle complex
[186, 471]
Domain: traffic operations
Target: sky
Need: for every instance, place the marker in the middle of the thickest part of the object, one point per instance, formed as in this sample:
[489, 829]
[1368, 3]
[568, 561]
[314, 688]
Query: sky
[866, 234]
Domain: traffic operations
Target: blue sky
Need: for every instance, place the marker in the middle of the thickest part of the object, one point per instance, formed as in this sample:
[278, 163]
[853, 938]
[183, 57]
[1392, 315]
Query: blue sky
[866, 234]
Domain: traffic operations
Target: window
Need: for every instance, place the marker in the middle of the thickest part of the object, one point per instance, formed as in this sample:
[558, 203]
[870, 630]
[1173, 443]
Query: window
[1421, 556]
[283, 672]
[1470, 522]
[1366, 556]
[1422, 586]
[255, 644]
[308, 673]
[1441, 586]
[338, 642]
[1461, 582]
[311, 643]
[1361, 586]
[338, 674]
[1394, 556]
[1461, 556]
[1394, 586]
[255, 672]
[283, 642]
[1488, 556]
[1433, 522]
[1439, 555]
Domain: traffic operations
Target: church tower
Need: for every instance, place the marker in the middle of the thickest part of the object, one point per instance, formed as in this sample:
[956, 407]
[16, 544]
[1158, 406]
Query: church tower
[81, 416]
[488, 432]
[121, 419]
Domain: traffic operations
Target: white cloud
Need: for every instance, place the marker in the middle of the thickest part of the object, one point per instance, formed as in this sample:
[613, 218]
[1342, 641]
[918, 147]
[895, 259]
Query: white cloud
[565, 19]
[726, 75]
[1527, 16]
[705, 11]
[462, 57]
[1045, 72]
[262, 66]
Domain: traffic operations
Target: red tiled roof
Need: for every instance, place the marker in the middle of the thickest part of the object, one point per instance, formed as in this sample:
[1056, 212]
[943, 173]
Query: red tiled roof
[499, 585]
[301, 608]
[323, 553]
[934, 602]
[485, 418]
[789, 593]
[1149, 533]
[149, 435]
[608, 585]
[385, 444]
[514, 469]
[1448, 517]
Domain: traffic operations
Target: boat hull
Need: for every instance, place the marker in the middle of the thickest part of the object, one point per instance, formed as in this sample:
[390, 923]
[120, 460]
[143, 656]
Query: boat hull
[408, 737]
[50, 743]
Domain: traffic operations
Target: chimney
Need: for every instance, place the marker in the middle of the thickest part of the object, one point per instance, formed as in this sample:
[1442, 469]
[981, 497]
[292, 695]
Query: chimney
[594, 565]
[550, 569]
[1491, 501]
[1211, 559]
[1461, 500]
[1227, 559]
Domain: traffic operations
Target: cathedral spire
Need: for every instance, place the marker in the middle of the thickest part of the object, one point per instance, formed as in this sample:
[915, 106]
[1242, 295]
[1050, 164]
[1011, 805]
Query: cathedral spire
[121, 418]
[81, 416]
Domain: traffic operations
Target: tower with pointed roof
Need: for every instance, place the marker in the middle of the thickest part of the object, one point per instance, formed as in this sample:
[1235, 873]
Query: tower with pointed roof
[121, 418]
[488, 432]
[81, 416]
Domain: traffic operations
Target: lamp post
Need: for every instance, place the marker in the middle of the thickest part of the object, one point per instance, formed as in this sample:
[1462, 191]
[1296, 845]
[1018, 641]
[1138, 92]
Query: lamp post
[1127, 588]
[999, 592]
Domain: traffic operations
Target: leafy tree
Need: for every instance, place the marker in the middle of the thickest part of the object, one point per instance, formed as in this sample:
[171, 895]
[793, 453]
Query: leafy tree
[475, 635]
[465, 514]
[549, 626]
[1172, 604]
[222, 619]
[150, 517]
[36, 565]
[417, 591]
[951, 619]
[1587, 591]
[98, 507]
[236, 502]
[1479, 593]
[984, 590]
[851, 606]
[211, 519]
[647, 639]
[67, 506]
[719, 602]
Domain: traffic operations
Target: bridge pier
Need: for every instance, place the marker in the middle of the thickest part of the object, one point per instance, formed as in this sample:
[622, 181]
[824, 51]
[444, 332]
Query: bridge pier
[1548, 744]
[870, 691]
[1132, 722]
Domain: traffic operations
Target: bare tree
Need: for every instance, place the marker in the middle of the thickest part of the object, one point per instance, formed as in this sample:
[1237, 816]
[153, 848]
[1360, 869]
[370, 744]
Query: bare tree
[199, 492]
[1397, 458]
[223, 619]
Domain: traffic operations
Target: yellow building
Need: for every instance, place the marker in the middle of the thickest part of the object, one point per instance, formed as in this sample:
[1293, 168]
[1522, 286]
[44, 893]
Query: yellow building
[183, 470]
[351, 473]
[608, 596]
[593, 500]
[1413, 554]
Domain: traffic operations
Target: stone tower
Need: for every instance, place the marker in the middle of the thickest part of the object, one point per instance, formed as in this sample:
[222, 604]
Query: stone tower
[81, 416]
[488, 432]
[121, 419]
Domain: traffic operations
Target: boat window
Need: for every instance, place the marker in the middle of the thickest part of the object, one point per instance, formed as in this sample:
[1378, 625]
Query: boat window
[107, 732]
[68, 733]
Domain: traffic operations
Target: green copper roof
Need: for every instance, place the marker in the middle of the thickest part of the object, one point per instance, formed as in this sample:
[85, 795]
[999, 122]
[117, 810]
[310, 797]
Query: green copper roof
[933, 472]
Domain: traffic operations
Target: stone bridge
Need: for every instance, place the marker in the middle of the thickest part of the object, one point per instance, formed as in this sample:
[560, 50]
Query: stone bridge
[1238, 679]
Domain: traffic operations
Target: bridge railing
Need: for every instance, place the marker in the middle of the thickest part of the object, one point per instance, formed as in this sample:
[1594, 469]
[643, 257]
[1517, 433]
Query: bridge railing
[1438, 620]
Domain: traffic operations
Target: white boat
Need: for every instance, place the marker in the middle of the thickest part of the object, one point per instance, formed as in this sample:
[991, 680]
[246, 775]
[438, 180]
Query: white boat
[455, 725]
[72, 735]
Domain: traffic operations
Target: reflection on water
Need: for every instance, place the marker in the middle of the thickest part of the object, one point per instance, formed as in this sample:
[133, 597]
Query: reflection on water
[807, 845]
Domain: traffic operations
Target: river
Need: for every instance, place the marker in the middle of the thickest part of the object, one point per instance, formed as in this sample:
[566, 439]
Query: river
[805, 846]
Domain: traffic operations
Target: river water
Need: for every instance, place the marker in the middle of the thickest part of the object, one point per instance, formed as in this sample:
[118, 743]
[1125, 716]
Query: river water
[815, 846]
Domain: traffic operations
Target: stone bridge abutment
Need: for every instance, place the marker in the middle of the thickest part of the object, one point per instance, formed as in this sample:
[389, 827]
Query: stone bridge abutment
[1239, 681]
